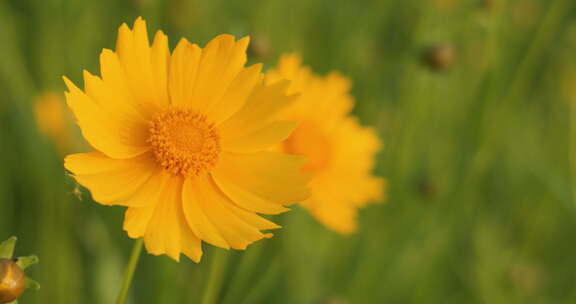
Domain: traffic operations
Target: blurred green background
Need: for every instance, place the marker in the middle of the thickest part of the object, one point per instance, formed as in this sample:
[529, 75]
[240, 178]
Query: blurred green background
[472, 99]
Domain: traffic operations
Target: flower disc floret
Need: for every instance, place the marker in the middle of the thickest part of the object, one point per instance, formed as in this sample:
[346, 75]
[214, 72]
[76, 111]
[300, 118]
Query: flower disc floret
[184, 142]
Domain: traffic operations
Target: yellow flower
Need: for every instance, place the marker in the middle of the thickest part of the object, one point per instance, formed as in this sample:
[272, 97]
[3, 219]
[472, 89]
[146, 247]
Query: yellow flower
[183, 141]
[340, 152]
[53, 120]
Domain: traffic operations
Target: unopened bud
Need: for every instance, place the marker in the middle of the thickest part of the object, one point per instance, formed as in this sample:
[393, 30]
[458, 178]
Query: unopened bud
[259, 47]
[439, 57]
[487, 4]
[12, 281]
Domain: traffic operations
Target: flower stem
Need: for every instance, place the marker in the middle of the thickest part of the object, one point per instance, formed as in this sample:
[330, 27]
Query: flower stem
[215, 277]
[572, 150]
[129, 275]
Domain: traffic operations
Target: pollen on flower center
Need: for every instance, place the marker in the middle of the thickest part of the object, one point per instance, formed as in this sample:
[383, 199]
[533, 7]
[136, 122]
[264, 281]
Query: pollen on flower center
[184, 142]
[310, 141]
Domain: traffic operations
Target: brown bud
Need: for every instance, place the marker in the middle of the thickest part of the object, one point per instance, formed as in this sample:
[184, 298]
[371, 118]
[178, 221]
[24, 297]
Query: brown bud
[259, 47]
[12, 281]
[487, 4]
[439, 57]
[426, 188]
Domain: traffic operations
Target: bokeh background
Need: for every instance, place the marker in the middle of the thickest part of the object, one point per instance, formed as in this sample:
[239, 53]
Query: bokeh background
[472, 98]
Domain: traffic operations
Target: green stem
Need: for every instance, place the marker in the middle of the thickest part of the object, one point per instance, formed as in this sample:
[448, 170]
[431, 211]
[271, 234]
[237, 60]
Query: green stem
[572, 150]
[129, 275]
[215, 277]
[552, 20]
[242, 275]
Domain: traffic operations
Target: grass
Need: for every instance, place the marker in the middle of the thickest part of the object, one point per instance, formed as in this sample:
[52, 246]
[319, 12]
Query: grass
[478, 157]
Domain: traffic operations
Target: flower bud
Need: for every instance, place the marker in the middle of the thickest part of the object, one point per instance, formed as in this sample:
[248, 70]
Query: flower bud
[439, 57]
[12, 281]
[259, 47]
[487, 4]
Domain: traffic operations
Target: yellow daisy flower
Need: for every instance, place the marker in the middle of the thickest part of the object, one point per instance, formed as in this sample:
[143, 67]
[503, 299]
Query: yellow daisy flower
[52, 119]
[340, 152]
[183, 141]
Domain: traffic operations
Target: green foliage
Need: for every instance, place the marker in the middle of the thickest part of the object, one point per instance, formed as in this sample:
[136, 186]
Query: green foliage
[478, 155]
[7, 248]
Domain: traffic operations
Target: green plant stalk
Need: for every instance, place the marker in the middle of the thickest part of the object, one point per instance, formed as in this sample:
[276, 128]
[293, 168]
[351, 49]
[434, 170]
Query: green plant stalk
[264, 283]
[572, 150]
[215, 276]
[241, 279]
[129, 275]
[552, 20]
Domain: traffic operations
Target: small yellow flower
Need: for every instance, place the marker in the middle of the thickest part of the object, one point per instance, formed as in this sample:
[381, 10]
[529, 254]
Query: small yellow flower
[340, 152]
[52, 119]
[183, 141]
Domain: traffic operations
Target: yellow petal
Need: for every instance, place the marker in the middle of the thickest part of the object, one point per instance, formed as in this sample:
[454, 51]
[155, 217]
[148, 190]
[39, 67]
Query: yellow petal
[114, 137]
[250, 218]
[191, 244]
[136, 219]
[114, 77]
[112, 102]
[337, 215]
[133, 49]
[261, 108]
[246, 199]
[163, 235]
[222, 61]
[290, 67]
[112, 181]
[149, 192]
[369, 189]
[160, 57]
[162, 223]
[193, 203]
[182, 73]
[272, 176]
[262, 139]
[237, 233]
[237, 94]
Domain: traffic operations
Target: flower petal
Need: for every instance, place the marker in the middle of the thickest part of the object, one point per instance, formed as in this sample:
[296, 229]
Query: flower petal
[160, 56]
[250, 218]
[137, 221]
[237, 94]
[237, 232]
[113, 181]
[134, 52]
[193, 205]
[163, 235]
[336, 214]
[262, 139]
[246, 199]
[115, 79]
[191, 244]
[114, 137]
[182, 73]
[223, 59]
[274, 177]
[163, 224]
[260, 110]
[112, 103]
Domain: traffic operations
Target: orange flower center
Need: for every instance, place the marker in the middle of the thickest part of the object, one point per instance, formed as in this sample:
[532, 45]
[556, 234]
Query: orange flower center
[184, 142]
[310, 141]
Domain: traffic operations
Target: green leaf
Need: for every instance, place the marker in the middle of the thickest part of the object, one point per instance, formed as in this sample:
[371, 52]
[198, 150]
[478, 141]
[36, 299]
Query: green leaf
[25, 262]
[32, 284]
[13, 302]
[7, 248]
